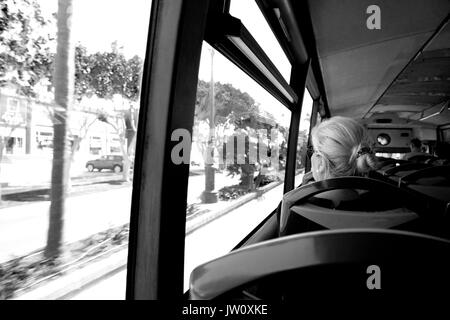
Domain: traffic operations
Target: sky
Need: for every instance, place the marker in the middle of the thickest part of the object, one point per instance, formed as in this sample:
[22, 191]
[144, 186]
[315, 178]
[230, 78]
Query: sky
[97, 23]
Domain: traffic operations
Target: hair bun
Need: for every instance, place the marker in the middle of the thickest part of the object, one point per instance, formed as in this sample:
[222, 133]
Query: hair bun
[366, 162]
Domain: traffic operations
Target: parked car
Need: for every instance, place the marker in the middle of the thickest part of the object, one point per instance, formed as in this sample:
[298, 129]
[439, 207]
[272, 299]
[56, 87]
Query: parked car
[110, 162]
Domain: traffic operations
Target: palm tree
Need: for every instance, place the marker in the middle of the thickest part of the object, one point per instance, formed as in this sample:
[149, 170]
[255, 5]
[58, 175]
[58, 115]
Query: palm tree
[64, 78]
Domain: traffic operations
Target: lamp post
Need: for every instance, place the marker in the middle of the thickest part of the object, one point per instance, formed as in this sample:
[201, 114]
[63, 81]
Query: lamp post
[209, 195]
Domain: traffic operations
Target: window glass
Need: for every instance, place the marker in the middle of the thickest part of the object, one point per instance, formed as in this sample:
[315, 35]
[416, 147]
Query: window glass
[234, 189]
[255, 22]
[63, 216]
[303, 135]
[319, 118]
[446, 135]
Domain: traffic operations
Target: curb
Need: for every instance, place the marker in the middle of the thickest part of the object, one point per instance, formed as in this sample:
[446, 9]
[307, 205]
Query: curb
[199, 221]
[75, 182]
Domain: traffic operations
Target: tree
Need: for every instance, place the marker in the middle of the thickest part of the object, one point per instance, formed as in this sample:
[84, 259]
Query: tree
[107, 74]
[26, 53]
[64, 86]
[228, 100]
[87, 120]
[110, 75]
[27, 45]
[124, 124]
[302, 146]
[238, 110]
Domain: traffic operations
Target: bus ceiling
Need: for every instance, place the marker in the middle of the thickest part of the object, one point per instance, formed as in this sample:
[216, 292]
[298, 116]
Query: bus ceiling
[401, 66]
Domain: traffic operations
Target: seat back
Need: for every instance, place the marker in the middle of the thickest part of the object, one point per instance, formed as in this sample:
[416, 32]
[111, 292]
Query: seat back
[343, 219]
[379, 205]
[409, 167]
[434, 176]
[291, 266]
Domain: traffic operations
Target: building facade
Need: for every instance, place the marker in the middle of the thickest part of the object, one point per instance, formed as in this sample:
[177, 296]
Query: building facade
[26, 128]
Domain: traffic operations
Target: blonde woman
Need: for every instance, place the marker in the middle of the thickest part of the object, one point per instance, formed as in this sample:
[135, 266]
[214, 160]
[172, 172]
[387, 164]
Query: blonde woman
[340, 147]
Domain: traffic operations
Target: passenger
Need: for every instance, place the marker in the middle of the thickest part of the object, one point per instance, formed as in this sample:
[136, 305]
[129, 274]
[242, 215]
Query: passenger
[341, 147]
[416, 149]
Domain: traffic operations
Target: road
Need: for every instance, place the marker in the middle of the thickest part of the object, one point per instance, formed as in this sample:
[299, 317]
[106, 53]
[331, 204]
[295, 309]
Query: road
[23, 228]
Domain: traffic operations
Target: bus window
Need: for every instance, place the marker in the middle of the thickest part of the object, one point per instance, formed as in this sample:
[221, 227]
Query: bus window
[237, 162]
[253, 19]
[66, 181]
[319, 118]
[446, 134]
[303, 136]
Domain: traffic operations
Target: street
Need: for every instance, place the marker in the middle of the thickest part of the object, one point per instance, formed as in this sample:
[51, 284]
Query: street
[23, 228]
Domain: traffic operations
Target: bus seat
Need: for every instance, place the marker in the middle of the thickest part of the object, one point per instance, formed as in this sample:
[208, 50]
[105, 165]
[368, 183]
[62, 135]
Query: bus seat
[422, 158]
[433, 176]
[342, 219]
[406, 167]
[437, 192]
[326, 262]
[378, 204]
[439, 162]
[336, 198]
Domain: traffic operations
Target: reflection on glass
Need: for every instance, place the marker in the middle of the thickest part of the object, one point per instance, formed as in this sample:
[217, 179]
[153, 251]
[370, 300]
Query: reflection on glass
[68, 121]
[238, 159]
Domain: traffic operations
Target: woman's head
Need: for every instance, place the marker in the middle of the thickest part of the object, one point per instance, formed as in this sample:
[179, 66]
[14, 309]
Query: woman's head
[342, 147]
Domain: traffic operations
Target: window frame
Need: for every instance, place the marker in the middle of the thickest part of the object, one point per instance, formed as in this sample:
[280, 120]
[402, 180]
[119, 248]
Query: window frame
[222, 27]
[155, 268]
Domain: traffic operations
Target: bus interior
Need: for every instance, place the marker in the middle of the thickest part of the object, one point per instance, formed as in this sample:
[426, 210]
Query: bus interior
[387, 66]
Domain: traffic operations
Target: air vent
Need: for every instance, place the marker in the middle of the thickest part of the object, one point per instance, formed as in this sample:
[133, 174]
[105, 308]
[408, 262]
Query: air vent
[383, 121]
[404, 134]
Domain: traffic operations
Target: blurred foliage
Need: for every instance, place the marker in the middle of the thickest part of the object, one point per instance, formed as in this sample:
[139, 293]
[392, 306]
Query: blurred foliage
[237, 109]
[27, 53]
[232, 192]
[27, 45]
[106, 74]
[22, 273]
[236, 191]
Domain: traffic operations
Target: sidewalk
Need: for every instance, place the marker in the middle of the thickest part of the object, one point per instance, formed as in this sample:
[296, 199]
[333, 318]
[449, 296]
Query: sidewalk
[34, 170]
[78, 180]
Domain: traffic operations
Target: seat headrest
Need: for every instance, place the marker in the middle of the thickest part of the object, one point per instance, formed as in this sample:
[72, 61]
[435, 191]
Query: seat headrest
[336, 197]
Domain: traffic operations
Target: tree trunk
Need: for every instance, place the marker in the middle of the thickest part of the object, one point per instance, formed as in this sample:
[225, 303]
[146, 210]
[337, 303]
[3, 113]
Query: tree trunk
[75, 147]
[126, 160]
[64, 85]
[247, 176]
[2, 145]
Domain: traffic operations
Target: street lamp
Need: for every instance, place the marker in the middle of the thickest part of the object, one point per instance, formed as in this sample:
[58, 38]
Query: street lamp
[209, 195]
